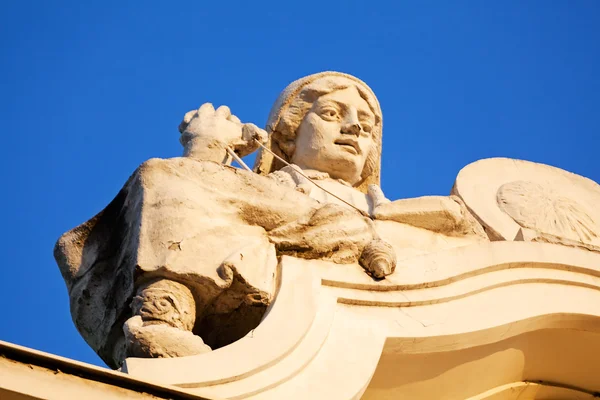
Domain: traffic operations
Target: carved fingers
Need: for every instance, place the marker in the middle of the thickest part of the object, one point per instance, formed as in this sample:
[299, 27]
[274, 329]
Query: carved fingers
[223, 112]
[250, 134]
[206, 110]
[208, 126]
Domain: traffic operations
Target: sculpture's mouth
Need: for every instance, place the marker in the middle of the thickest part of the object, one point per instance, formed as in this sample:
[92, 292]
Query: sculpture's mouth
[348, 145]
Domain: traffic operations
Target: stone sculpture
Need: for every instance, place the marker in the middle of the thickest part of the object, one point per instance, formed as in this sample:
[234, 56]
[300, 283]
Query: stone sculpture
[189, 255]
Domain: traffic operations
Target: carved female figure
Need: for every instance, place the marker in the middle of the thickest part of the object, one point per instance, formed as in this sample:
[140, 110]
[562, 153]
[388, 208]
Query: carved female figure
[187, 251]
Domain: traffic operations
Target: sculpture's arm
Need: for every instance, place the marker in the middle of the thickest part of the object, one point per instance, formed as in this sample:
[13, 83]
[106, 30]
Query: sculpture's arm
[206, 134]
[443, 214]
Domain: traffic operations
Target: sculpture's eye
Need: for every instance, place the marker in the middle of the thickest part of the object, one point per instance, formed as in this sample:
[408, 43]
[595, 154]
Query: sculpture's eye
[329, 113]
[366, 127]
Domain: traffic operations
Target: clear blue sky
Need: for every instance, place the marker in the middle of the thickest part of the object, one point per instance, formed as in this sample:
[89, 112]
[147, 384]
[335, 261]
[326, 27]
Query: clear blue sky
[89, 90]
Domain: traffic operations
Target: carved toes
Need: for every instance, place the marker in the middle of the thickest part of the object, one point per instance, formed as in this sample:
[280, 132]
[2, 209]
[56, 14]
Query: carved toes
[160, 340]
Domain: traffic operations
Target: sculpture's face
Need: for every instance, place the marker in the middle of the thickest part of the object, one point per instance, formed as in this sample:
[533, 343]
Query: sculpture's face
[335, 135]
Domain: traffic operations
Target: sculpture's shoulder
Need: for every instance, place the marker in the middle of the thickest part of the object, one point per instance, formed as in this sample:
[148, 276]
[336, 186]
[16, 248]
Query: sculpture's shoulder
[156, 169]
[175, 187]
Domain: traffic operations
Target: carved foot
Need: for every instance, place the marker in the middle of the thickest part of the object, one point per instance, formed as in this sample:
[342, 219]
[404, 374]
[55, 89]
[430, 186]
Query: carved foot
[160, 340]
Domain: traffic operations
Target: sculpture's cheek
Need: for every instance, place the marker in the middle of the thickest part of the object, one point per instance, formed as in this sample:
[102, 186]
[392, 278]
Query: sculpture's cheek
[316, 149]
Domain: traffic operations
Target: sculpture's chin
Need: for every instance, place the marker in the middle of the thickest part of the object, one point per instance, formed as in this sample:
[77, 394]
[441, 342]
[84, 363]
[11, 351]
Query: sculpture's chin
[339, 164]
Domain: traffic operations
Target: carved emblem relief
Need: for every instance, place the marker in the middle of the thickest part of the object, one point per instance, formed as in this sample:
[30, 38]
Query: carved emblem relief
[542, 209]
[526, 201]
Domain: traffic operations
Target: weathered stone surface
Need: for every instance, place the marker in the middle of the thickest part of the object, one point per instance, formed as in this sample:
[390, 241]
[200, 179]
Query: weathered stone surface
[190, 245]
[202, 224]
[316, 285]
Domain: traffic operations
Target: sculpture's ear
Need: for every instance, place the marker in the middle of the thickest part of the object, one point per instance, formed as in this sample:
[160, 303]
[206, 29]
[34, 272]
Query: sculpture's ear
[186, 120]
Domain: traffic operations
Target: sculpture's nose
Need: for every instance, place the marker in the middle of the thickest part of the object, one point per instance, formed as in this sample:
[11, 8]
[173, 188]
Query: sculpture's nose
[351, 124]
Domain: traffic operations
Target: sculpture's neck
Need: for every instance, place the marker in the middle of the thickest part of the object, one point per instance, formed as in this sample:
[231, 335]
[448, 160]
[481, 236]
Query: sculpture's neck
[338, 187]
[349, 194]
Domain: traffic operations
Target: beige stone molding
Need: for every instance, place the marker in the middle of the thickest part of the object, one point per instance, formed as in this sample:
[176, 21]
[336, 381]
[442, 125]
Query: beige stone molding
[471, 322]
[27, 374]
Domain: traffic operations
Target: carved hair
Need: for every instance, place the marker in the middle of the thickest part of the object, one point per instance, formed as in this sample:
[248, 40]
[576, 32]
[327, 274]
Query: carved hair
[294, 103]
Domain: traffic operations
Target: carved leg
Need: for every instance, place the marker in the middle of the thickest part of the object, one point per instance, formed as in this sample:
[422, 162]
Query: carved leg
[164, 315]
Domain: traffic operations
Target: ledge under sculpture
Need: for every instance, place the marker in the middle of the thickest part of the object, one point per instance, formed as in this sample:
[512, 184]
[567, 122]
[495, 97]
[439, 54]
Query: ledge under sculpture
[300, 278]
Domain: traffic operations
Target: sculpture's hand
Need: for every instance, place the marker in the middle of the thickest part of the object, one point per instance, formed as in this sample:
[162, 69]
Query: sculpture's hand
[206, 133]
